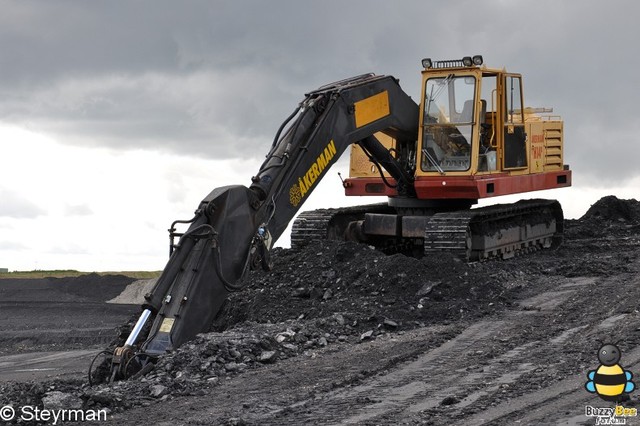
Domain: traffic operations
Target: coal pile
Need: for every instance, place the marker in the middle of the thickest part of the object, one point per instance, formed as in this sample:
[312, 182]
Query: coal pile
[612, 208]
[368, 290]
[609, 216]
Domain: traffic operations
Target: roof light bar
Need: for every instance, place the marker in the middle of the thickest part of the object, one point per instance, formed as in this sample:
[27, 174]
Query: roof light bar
[467, 61]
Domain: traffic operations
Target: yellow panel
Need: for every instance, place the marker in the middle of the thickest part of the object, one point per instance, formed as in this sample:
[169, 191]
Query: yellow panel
[372, 108]
[359, 164]
[167, 325]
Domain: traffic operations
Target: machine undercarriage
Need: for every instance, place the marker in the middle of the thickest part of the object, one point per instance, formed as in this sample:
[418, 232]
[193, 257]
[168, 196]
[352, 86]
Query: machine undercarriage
[495, 232]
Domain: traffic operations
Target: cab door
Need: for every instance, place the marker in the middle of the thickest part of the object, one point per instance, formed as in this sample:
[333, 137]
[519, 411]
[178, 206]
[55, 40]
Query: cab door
[514, 136]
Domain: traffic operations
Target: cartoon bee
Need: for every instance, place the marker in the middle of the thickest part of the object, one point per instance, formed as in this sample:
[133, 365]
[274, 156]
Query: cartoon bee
[610, 380]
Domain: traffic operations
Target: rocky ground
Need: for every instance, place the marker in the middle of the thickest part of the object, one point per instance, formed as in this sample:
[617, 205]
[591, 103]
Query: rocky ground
[341, 333]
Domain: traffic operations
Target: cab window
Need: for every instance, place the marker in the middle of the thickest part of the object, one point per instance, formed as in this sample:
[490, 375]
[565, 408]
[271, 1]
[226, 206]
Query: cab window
[448, 120]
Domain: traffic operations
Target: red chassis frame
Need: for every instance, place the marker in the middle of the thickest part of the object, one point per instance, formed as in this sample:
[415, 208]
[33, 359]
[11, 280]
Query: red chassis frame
[463, 187]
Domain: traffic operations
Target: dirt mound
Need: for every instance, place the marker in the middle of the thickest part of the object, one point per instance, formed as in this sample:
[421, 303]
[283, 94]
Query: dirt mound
[84, 288]
[134, 293]
[610, 217]
[613, 208]
[92, 286]
[371, 291]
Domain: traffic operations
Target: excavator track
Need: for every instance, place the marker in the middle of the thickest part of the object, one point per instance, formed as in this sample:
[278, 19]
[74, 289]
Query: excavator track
[500, 231]
[495, 232]
[323, 224]
[448, 232]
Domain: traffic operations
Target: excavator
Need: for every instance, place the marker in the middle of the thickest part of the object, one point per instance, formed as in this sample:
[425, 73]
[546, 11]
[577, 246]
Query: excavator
[471, 137]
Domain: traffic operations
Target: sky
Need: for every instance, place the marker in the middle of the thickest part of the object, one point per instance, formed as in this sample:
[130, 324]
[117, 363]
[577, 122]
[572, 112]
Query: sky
[118, 117]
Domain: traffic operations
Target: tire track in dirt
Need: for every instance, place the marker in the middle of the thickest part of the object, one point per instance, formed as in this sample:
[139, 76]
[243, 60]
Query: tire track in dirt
[566, 400]
[407, 382]
[42, 364]
[415, 387]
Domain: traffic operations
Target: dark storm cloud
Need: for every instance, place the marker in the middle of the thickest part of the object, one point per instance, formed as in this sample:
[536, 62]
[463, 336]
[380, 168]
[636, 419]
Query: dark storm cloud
[216, 78]
[45, 41]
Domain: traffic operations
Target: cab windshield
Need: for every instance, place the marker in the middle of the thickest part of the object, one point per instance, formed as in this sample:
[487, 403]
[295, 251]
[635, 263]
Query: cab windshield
[448, 123]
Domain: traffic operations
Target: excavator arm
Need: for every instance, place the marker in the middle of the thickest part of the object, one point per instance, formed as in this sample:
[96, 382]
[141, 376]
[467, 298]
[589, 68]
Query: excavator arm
[329, 120]
[234, 226]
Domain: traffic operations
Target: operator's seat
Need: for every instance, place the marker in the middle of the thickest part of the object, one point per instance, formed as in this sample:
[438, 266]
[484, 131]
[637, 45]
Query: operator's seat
[487, 156]
[485, 142]
[466, 116]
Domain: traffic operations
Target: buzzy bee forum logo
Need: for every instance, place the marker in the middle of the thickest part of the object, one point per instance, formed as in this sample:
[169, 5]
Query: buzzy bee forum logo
[612, 383]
